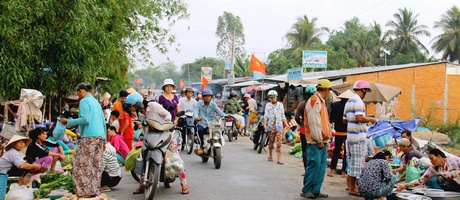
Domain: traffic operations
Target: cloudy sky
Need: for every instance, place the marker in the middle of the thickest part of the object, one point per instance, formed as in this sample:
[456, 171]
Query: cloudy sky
[266, 22]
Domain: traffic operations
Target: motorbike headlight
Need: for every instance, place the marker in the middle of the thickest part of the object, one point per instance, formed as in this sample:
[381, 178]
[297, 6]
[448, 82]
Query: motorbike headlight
[216, 136]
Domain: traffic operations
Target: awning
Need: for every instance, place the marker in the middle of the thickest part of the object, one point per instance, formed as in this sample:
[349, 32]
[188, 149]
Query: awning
[246, 83]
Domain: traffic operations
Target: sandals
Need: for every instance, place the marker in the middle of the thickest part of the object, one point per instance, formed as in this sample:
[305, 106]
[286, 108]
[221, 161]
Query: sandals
[354, 194]
[280, 163]
[185, 190]
[139, 190]
[321, 195]
[330, 175]
[270, 159]
[308, 195]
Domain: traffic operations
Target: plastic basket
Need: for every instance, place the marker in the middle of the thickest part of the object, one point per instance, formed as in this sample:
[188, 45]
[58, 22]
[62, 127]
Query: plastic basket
[8, 131]
[3, 184]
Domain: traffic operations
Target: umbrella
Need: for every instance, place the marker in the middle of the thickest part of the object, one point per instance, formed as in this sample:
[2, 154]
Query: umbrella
[380, 92]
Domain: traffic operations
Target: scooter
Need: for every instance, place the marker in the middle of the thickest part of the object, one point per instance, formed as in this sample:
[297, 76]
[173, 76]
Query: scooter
[230, 128]
[212, 146]
[259, 137]
[187, 124]
[156, 141]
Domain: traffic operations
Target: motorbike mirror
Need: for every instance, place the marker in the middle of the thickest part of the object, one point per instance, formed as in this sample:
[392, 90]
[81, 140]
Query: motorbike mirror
[170, 108]
[180, 113]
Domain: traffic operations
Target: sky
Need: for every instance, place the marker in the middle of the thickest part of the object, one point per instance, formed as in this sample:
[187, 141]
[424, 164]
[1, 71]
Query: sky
[266, 22]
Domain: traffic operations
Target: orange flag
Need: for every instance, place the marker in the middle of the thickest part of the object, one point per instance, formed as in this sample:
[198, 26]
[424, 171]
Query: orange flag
[181, 83]
[256, 65]
[204, 82]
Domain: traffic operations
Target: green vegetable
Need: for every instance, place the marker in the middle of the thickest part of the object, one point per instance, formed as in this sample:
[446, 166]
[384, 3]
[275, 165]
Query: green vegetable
[62, 182]
[296, 148]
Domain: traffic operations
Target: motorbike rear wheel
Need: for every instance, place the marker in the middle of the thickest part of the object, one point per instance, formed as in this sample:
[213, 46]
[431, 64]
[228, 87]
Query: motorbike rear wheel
[217, 158]
[263, 141]
[153, 177]
[230, 135]
[204, 159]
[189, 143]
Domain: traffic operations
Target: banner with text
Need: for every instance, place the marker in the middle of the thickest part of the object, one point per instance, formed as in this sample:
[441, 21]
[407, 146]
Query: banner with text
[258, 75]
[294, 74]
[314, 59]
[206, 72]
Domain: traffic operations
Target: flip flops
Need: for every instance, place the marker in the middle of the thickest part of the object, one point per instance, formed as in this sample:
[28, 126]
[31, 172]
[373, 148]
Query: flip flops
[280, 163]
[270, 159]
[354, 194]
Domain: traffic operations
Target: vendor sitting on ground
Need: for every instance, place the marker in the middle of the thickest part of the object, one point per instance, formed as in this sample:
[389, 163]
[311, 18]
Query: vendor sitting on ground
[63, 148]
[39, 153]
[116, 140]
[13, 160]
[409, 153]
[408, 135]
[111, 175]
[444, 172]
[376, 180]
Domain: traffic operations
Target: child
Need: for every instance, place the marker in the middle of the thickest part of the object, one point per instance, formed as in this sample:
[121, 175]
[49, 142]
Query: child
[13, 160]
[114, 115]
[117, 142]
[38, 152]
[111, 175]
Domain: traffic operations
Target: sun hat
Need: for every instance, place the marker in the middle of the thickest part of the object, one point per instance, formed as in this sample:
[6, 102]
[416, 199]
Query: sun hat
[404, 142]
[324, 84]
[346, 95]
[17, 138]
[168, 81]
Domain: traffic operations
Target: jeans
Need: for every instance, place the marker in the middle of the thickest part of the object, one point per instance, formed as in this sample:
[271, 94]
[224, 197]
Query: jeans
[201, 132]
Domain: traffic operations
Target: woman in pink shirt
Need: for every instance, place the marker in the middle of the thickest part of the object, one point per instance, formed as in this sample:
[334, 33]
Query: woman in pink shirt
[116, 141]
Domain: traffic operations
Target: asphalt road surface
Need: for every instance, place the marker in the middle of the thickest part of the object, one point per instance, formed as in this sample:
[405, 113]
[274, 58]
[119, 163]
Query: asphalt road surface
[244, 174]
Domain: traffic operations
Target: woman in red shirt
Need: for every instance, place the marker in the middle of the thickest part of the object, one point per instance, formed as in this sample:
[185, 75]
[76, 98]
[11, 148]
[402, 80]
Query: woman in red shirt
[126, 126]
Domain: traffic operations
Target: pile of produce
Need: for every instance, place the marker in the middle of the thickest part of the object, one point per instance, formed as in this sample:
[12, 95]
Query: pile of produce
[296, 150]
[54, 181]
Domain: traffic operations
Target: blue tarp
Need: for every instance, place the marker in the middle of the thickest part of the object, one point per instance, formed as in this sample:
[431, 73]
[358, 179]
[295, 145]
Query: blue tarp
[393, 128]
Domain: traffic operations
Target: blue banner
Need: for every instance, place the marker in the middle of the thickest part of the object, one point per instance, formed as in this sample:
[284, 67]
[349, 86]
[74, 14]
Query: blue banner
[294, 74]
[228, 64]
[258, 75]
[314, 59]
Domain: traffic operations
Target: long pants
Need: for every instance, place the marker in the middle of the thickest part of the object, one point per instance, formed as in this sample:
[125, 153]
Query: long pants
[303, 142]
[339, 141]
[201, 132]
[316, 167]
[109, 180]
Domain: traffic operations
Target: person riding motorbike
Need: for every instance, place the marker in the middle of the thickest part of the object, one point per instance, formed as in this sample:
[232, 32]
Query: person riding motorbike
[205, 109]
[155, 110]
[186, 104]
[232, 107]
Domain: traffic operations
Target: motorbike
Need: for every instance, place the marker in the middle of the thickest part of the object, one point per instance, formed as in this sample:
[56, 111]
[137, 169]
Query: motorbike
[212, 146]
[230, 128]
[259, 137]
[156, 142]
[187, 126]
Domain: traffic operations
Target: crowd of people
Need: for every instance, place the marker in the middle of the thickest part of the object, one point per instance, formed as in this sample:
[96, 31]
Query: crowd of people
[107, 130]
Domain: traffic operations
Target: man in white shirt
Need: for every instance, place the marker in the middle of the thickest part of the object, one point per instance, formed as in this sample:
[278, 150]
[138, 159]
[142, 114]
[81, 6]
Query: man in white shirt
[252, 102]
[187, 103]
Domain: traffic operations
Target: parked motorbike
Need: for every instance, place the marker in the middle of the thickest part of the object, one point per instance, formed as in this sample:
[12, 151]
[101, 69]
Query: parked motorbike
[212, 147]
[156, 141]
[259, 137]
[187, 125]
[230, 128]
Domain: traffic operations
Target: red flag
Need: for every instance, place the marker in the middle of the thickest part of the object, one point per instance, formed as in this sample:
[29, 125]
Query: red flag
[181, 83]
[256, 65]
[204, 82]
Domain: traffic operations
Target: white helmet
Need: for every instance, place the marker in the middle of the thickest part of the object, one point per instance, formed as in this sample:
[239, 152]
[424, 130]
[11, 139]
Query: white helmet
[272, 93]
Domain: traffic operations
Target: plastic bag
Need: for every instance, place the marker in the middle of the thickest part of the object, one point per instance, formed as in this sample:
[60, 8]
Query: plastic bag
[174, 163]
[130, 161]
[59, 130]
[412, 171]
[21, 193]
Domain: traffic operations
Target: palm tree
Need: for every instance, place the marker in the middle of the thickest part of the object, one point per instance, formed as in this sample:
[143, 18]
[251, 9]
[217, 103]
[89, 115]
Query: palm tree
[405, 32]
[304, 34]
[242, 67]
[449, 41]
[362, 48]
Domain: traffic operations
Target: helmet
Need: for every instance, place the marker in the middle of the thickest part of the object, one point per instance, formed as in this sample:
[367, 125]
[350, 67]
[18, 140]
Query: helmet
[184, 90]
[272, 93]
[310, 89]
[362, 85]
[233, 94]
[189, 89]
[206, 92]
[135, 99]
[247, 95]
[173, 91]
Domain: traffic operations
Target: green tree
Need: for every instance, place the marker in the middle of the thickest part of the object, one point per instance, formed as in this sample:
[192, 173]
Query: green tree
[449, 41]
[303, 34]
[405, 29]
[226, 24]
[362, 48]
[241, 67]
[278, 63]
[52, 45]
[156, 75]
[216, 64]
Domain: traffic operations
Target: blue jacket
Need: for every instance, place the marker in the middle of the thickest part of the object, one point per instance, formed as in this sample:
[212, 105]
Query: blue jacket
[90, 118]
[207, 112]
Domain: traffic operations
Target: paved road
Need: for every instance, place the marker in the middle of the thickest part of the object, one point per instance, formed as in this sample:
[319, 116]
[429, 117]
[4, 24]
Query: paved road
[244, 175]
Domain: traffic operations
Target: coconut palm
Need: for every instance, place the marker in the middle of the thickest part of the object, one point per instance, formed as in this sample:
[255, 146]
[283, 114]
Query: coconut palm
[304, 33]
[362, 48]
[449, 41]
[242, 66]
[405, 31]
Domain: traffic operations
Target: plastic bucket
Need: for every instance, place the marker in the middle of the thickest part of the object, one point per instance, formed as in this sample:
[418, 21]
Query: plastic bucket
[3, 184]
[382, 140]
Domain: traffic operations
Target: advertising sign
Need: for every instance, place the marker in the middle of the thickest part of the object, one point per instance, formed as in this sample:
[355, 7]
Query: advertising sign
[206, 72]
[294, 74]
[228, 64]
[258, 75]
[314, 59]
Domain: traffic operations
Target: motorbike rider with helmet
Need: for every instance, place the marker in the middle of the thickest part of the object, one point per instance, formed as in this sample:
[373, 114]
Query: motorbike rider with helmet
[232, 107]
[205, 109]
[186, 104]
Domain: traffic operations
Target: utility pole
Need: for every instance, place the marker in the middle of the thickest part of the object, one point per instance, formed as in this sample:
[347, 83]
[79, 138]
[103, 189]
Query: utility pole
[189, 82]
[233, 50]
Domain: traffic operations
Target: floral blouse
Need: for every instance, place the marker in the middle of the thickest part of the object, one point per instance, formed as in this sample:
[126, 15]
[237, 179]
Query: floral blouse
[374, 174]
[274, 114]
[451, 170]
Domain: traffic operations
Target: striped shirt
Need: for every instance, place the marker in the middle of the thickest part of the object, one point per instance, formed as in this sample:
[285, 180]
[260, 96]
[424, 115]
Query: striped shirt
[356, 131]
[110, 161]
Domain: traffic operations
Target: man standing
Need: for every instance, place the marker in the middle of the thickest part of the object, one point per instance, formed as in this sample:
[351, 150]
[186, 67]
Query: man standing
[118, 105]
[87, 177]
[354, 115]
[318, 133]
[299, 118]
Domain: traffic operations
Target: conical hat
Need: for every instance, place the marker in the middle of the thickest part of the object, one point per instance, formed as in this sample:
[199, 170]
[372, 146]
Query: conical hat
[131, 90]
[346, 95]
[17, 138]
[106, 95]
